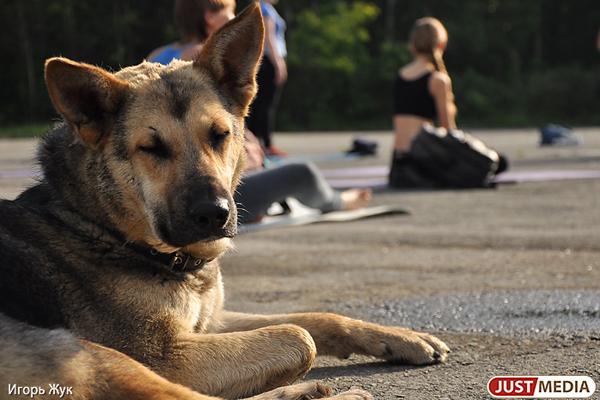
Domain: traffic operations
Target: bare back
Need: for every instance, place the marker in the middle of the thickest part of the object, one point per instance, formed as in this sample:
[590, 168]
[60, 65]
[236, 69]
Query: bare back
[407, 125]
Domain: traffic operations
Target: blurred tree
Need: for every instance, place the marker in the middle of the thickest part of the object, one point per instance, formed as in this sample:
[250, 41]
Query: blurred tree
[335, 64]
[512, 61]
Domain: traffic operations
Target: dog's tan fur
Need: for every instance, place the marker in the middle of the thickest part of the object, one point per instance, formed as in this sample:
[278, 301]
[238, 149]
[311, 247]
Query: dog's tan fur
[181, 339]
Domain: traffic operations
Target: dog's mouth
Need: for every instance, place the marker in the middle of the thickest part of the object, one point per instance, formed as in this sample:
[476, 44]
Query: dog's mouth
[225, 234]
[208, 248]
[189, 236]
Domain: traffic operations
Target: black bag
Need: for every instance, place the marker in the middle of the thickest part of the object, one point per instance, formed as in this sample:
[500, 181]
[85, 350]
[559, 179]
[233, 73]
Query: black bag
[445, 159]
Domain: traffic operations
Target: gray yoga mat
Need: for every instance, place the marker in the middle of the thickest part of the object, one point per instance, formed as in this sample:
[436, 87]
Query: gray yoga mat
[301, 215]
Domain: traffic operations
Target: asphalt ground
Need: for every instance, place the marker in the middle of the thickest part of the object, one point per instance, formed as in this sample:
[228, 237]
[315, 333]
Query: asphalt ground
[508, 277]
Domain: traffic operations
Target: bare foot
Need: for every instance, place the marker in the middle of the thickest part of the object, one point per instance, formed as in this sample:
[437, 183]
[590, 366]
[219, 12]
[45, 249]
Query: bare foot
[353, 199]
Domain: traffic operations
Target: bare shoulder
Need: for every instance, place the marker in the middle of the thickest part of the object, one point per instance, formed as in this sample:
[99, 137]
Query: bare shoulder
[403, 70]
[440, 82]
[412, 71]
[440, 79]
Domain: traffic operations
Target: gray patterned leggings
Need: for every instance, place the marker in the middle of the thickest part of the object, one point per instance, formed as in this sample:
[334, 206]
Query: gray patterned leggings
[302, 181]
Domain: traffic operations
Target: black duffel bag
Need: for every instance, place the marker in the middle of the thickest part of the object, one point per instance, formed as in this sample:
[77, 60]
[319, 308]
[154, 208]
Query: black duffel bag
[446, 159]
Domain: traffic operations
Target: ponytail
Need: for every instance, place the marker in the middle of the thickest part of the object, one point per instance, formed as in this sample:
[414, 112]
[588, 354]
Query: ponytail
[425, 38]
[437, 60]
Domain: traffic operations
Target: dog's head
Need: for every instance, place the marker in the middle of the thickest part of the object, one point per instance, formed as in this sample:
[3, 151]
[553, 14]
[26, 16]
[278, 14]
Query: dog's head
[168, 139]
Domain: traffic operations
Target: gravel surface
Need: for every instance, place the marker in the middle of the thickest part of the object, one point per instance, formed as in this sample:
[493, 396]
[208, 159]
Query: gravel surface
[508, 278]
[562, 313]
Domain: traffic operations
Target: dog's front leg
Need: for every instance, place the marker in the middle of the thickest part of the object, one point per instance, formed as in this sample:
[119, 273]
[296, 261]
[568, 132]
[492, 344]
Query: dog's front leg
[235, 365]
[341, 336]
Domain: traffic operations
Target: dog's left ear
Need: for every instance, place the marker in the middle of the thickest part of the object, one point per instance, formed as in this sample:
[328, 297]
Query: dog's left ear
[87, 97]
[232, 56]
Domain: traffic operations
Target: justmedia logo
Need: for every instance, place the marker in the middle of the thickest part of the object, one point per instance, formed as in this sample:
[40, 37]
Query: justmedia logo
[547, 387]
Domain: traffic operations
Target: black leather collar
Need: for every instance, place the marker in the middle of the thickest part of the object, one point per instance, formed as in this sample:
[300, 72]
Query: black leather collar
[176, 262]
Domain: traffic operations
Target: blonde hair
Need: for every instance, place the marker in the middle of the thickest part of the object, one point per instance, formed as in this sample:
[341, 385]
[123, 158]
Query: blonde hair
[189, 16]
[425, 37]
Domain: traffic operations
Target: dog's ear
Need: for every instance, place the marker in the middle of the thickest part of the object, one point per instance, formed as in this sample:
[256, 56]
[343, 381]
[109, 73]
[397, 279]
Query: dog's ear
[87, 97]
[232, 56]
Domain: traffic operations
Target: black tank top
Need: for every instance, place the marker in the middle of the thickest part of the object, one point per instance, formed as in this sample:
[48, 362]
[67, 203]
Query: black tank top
[412, 97]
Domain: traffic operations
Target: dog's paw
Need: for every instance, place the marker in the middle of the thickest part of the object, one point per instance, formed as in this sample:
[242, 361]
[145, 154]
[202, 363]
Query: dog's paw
[353, 394]
[300, 391]
[406, 346]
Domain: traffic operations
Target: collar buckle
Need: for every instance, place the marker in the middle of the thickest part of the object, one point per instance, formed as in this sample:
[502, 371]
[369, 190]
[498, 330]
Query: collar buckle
[183, 262]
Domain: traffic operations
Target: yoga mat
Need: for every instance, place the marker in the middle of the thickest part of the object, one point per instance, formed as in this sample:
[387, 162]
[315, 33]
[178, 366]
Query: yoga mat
[356, 172]
[358, 183]
[276, 161]
[18, 173]
[376, 177]
[302, 215]
[545, 176]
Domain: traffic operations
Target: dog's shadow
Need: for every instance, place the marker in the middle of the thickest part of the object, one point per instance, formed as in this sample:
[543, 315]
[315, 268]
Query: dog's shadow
[357, 369]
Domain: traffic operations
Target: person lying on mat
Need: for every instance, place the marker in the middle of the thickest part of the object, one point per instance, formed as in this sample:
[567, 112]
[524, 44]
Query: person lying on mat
[260, 187]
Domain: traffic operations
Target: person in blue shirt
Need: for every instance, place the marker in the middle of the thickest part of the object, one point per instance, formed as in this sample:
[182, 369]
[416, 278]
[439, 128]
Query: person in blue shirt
[260, 187]
[271, 78]
[195, 21]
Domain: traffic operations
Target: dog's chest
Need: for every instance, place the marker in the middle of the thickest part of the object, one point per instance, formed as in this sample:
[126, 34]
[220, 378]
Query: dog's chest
[195, 312]
[190, 305]
[189, 309]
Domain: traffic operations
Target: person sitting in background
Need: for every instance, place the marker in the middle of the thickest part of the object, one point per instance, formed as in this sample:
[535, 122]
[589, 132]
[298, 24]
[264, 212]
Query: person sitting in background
[196, 20]
[423, 89]
[423, 96]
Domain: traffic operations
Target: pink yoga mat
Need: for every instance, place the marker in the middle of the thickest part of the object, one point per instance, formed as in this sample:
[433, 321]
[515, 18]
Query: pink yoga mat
[543, 176]
[18, 174]
[375, 177]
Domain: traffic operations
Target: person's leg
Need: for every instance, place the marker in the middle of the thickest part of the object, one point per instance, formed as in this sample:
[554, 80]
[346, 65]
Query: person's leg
[259, 119]
[302, 181]
[271, 117]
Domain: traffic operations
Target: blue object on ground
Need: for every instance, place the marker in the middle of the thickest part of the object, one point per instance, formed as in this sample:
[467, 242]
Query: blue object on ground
[557, 135]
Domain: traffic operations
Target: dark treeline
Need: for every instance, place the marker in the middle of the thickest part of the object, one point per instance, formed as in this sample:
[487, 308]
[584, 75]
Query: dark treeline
[513, 62]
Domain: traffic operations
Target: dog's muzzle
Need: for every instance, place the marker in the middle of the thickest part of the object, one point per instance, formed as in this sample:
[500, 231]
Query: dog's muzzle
[211, 216]
[202, 220]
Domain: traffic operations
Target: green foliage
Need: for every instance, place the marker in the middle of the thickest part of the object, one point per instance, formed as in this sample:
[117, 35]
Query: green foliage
[480, 97]
[112, 34]
[333, 69]
[569, 93]
[334, 41]
[23, 130]
[511, 61]
[507, 60]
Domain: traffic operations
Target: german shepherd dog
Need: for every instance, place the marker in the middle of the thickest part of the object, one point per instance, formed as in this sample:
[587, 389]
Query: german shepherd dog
[110, 286]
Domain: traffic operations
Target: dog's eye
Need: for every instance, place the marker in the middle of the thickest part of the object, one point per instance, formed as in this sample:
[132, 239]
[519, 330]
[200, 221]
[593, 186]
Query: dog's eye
[155, 147]
[217, 137]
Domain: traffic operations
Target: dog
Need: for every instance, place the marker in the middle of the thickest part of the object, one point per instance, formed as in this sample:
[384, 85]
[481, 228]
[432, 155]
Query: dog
[110, 284]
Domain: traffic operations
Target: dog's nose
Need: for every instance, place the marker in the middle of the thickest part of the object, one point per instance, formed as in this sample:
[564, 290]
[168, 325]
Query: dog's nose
[211, 215]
